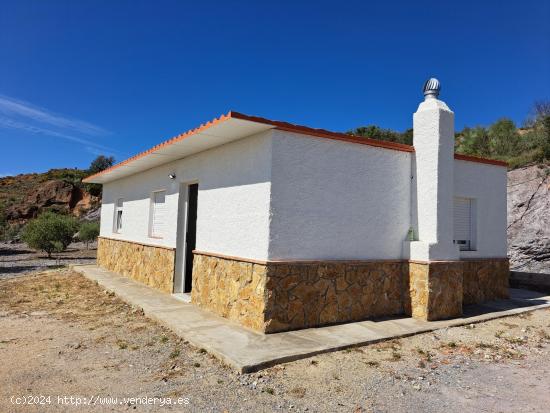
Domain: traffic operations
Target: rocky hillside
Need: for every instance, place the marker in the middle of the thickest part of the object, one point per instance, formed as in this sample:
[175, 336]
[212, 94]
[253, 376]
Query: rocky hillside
[24, 196]
[529, 218]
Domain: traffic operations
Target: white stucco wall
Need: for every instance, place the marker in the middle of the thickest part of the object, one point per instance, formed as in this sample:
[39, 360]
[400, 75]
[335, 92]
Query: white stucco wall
[281, 195]
[233, 200]
[337, 200]
[486, 184]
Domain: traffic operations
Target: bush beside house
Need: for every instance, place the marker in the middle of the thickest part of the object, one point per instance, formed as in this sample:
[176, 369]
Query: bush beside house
[50, 232]
[89, 231]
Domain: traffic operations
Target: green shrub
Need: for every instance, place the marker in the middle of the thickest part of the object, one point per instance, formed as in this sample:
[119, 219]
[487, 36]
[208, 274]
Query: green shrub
[375, 132]
[50, 232]
[546, 136]
[504, 139]
[10, 232]
[88, 232]
[72, 176]
[3, 222]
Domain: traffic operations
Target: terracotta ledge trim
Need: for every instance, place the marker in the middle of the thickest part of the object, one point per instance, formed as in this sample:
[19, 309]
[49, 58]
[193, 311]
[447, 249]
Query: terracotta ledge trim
[145, 244]
[323, 133]
[455, 261]
[229, 257]
[290, 262]
[365, 261]
[470, 158]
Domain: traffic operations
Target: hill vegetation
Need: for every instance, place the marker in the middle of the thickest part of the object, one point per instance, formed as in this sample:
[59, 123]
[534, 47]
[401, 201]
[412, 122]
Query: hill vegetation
[502, 140]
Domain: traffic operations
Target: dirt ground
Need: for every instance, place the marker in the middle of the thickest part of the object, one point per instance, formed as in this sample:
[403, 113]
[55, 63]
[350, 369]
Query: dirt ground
[61, 335]
[17, 259]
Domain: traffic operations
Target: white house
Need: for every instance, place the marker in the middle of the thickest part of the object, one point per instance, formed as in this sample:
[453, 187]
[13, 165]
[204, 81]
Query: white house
[281, 227]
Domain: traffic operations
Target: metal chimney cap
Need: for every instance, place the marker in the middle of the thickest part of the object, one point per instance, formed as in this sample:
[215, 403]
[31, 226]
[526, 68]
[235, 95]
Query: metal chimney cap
[432, 88]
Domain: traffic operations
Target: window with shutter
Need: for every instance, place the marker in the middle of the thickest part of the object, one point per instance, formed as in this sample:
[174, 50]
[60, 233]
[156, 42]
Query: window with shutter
[119, 207]
[463, 224]
[158, 214]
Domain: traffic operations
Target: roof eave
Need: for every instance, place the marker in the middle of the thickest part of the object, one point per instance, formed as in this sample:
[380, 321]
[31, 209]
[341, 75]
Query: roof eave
[233, 126]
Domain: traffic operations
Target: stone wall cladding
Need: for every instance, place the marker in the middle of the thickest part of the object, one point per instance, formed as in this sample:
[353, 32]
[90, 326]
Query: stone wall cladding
[310, 295]
[150, 265]
[436, 290]
[232, 289]
[273, 297]
[485, 280]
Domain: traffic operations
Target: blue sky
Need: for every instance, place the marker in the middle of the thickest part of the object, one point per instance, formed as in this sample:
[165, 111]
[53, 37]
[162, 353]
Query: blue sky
[79, 78]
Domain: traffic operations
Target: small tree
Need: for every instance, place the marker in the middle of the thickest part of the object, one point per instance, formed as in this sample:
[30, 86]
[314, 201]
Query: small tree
[503, 137]
[50, 232]
[99, 164]
[473, 141]
[88, 232]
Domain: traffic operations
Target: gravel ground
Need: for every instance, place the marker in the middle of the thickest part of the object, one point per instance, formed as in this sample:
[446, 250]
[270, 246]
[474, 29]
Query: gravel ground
[62, 335]
[18, 259]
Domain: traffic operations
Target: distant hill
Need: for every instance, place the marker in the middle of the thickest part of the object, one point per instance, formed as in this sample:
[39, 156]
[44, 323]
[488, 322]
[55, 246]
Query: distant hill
[24, 196]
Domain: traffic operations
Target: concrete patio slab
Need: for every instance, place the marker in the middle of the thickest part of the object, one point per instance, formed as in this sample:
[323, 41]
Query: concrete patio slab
[248, 351]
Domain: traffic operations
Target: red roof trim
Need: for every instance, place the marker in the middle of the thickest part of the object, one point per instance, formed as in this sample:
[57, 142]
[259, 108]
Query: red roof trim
[175, 139]
[322, 133]
[289, 127]
[470, 158]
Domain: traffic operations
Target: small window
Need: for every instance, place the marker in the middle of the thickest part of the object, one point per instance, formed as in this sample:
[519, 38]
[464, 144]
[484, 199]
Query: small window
[119, 206]
[463, 221]
[158, 214]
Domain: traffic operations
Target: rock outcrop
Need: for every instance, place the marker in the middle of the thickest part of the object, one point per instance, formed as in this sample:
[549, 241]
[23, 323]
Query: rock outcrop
[529, 218]
[56, 195]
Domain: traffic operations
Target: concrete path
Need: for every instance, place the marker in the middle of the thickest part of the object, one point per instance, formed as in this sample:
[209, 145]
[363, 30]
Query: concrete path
[248, 351]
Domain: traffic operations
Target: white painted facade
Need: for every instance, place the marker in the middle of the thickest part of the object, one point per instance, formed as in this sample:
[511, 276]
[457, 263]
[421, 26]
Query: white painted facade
[337, 200]
[233, 202]
[486, 185]
[280, 195]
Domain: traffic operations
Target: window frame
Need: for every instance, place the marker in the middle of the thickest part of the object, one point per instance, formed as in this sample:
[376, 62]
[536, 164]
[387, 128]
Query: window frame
[152, 212]
[118, 228]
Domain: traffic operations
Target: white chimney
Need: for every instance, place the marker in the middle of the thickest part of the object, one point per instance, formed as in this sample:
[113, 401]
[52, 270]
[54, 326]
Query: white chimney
[433, 171]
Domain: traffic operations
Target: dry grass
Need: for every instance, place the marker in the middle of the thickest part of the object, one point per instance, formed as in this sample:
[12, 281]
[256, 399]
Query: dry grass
[64, 294]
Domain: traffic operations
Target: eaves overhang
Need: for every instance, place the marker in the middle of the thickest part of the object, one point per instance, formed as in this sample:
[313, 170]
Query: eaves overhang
[231, 127]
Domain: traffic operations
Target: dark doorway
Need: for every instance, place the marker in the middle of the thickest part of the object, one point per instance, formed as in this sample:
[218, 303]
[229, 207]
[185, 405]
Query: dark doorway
[190, 235]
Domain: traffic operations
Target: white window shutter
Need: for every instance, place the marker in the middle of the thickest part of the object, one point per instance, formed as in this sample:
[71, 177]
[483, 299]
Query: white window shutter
[463, 222]
[158, 217]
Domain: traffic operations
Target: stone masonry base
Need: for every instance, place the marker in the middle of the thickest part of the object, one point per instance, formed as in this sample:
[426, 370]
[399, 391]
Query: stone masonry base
[150, 265]
[436, 290]
[315, 294]
[271, 297]
[277, 296]
[485, 280]
[230, 288]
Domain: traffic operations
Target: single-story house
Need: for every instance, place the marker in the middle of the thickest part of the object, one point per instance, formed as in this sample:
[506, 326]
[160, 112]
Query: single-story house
[281, 227]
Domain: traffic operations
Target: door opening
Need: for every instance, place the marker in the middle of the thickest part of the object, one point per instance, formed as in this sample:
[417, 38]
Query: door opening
[190, 235]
